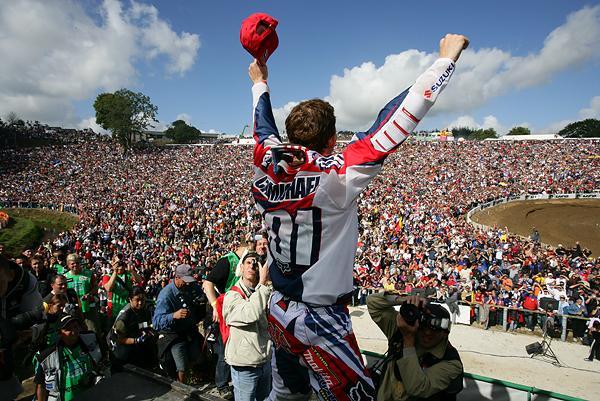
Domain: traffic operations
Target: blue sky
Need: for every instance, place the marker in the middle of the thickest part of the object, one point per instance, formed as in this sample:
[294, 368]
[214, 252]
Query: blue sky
[532, 63]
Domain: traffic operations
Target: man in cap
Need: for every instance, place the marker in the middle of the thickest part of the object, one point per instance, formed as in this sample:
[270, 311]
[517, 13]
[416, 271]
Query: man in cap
[421, 363]
[248, 349]
[220, 279]
[176, 318]
[70, 367]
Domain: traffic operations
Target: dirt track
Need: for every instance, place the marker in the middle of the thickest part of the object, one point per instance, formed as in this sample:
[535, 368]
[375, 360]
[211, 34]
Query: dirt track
[558, 221]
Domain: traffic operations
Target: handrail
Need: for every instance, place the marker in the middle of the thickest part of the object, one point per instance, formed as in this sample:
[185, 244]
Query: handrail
[538, 311]
[564, 317]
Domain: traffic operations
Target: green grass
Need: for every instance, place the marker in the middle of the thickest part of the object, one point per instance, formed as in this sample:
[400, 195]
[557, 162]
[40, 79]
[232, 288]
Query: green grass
[28, 228]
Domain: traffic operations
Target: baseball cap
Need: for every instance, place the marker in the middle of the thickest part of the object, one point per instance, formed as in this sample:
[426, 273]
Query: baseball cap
[65, 320]
[247, 254]
[439, 317]
[258, 36]
[185, 272]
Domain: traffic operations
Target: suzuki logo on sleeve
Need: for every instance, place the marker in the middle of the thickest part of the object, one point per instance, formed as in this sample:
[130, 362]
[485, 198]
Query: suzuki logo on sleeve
[443, 78]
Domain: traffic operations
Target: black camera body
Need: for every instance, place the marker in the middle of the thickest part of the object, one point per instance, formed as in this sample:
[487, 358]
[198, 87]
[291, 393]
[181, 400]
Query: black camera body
[194, 298]
[412, 313]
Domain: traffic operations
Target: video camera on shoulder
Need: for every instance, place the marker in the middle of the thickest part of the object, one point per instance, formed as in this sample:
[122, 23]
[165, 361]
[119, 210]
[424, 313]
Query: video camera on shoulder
[193, 298]
[432, 316]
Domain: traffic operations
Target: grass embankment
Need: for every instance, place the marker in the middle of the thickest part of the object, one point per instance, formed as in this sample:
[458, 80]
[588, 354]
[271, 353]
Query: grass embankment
[29, 227]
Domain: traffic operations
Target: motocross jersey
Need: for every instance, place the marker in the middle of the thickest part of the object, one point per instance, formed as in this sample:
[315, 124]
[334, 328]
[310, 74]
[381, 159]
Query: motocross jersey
[310, 208]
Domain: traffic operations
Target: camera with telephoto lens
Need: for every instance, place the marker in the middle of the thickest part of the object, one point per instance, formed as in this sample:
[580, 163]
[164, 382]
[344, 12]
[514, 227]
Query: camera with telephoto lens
[193, 298]
[432, 316]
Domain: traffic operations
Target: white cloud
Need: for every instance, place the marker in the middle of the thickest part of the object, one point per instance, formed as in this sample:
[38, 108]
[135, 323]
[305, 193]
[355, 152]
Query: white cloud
[281, 113]
[593, 111]
[91, 123]
[159, 126]
[488, 122]
[185, 117]
[470, 122]
[360, 92]
[553, 128]
[54, 53]
[159, 38]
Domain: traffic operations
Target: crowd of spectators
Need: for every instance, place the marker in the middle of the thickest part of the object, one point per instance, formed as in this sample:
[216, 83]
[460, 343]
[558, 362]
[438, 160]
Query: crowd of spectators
[156, 208]
[414, 234]
[14, 132]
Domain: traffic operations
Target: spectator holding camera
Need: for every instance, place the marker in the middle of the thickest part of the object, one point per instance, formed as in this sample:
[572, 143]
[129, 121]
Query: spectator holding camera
[220, 279]
[131, 339]
[248, 349]
[421, 363]
[119, 285]
[176, 318]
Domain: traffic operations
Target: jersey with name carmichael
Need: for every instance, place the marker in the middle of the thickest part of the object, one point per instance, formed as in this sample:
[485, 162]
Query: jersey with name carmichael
[311, 209]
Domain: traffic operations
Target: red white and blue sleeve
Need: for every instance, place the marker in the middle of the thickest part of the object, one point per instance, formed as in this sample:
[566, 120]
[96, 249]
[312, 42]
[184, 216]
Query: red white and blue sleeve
[363, 158]
[264, 129]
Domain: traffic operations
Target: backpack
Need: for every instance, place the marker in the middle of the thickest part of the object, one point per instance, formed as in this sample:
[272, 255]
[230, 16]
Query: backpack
[223, 327]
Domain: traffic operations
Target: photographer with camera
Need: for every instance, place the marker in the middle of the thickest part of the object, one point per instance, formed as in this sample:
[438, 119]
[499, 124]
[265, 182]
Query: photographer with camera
[248, 348]
[119, 285]
[179, 308]
[131, 339]
[220, 279]
[420, 362]
[20, 308]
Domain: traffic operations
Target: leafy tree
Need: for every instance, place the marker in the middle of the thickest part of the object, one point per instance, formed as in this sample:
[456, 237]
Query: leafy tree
[13, 119]
[180, 132]
[125, 114]
[345, 135]
[519, 131]
[474, 134]
[463, 132]
[589, 128]
[482, 134]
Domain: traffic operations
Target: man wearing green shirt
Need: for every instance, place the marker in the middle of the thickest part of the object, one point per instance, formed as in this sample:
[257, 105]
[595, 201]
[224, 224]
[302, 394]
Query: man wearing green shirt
[57, 263]
[120, 285]
[83, 282]
[421, 363]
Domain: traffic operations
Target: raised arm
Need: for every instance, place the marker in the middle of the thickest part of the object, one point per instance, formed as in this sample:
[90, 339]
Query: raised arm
[363, 158]
[265, 131]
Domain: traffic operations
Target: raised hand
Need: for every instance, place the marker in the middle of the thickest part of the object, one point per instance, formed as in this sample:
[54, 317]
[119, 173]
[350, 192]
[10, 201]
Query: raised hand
[451, 46]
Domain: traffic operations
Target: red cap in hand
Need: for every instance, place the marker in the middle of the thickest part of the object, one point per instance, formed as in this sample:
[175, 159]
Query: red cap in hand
[258, 36]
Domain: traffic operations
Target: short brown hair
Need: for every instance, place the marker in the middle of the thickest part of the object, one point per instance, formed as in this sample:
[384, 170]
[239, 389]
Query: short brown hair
[311, 123]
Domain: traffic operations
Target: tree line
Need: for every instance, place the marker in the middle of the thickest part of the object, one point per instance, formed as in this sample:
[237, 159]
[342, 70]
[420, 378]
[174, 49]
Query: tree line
[127, 114]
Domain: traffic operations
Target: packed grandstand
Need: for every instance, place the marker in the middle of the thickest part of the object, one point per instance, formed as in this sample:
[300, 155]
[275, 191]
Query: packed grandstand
[159, 207]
